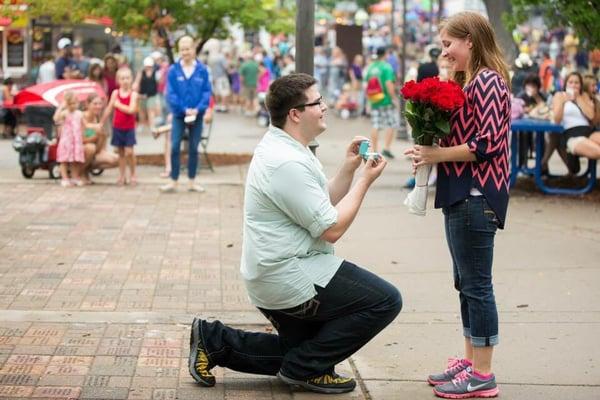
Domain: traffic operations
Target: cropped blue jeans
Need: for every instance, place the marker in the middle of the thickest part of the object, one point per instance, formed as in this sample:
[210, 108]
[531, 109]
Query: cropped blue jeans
[470, 230]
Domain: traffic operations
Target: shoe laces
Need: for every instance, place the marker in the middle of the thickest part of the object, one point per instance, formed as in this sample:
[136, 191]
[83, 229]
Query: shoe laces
[330, 379]
[202, 364]
[455, 365]
[462, 376]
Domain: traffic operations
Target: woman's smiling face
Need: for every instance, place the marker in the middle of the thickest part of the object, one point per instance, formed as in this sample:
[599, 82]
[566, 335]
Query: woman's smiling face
[456, 51]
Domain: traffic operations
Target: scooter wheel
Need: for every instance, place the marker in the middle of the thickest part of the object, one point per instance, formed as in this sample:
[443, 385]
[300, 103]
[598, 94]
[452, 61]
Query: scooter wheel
[54, 171]
[27, 171]
[97, 171]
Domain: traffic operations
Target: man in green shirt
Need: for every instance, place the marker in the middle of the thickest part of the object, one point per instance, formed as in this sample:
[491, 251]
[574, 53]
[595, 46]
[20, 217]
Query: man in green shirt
[381, 93]
[249, 77]
[324, 308]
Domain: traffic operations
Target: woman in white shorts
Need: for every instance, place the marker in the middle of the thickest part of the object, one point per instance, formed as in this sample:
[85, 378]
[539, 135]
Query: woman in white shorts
[575, 111]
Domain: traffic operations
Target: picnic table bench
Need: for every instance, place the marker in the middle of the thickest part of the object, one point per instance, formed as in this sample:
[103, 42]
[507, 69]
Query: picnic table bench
[539, 127]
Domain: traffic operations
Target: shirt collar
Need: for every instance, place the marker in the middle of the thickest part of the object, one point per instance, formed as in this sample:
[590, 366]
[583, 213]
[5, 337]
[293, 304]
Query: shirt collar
[284, 136]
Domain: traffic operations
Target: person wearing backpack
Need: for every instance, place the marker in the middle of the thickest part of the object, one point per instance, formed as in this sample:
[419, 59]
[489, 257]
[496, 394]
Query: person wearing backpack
[381, 93]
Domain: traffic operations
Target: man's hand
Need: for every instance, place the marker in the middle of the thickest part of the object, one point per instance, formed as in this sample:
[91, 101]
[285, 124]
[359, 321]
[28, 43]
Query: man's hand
[353, 159]
[191, 111]
[373, 169]
[423, 155]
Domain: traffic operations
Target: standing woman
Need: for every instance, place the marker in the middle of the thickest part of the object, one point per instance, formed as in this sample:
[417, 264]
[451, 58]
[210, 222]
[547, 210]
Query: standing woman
[472, 190]
[110, 73]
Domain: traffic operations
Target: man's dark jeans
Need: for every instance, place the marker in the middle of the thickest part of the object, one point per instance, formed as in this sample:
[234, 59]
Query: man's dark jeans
[314, 336]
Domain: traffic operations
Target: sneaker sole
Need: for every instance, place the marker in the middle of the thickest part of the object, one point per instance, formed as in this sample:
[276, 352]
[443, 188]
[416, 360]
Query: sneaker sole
[194, 339]
[435, 383]
[314, 388]
[478, 393]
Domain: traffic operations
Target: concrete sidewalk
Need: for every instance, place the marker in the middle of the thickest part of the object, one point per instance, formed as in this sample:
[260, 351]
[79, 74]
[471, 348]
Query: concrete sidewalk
[98, 285]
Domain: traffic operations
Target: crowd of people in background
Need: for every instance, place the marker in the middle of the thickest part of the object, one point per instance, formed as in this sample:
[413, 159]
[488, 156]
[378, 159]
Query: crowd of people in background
[239, 78]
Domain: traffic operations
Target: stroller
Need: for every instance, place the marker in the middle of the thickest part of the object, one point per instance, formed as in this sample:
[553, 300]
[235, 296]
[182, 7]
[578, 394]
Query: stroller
[37, 150]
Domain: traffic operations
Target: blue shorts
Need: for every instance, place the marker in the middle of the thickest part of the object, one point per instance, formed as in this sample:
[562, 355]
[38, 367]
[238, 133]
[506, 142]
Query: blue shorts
[123, 137]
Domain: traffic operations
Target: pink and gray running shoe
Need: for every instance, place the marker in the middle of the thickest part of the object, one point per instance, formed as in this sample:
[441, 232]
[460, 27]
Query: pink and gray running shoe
[455, 365]
[467, 385]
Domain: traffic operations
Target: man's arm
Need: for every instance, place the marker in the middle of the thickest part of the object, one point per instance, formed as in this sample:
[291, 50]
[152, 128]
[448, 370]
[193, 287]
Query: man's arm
[340, 184]
[349, 205]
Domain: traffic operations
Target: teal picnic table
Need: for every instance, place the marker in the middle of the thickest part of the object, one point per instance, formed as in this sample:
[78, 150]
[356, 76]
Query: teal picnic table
[539, 128]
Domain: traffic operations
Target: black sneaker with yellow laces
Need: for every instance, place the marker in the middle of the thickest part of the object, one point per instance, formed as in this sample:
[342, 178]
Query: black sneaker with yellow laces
[327, 383]
[198, 362]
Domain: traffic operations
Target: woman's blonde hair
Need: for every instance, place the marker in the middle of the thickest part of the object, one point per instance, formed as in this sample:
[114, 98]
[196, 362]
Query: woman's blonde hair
[485, 52]
[589, 83]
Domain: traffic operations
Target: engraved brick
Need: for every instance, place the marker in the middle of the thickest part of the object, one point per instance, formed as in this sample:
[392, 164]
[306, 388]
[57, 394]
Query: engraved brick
[22, 369]
[75, 351]
[96, 381]
[71, 360]
[77, 281]
[8, 340]
[124, 331]
[140, 393]
[37, 292]
[18, 380]
[102, 393]
[153, 382]
[74, 341]
[160, 352]
[161, 343]
[98, 305]
[57, 392]
[164, 394]
[44, 332]
[158, 362]
[119, 351]
[16, 391]
[25, 359]
[39, 340]
[66, 370]
[158, 372]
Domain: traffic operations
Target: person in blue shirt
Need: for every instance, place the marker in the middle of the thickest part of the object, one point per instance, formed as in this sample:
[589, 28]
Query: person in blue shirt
[188, 96]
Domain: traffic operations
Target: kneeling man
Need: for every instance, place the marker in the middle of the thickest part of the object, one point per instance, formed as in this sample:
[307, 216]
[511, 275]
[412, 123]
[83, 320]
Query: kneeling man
[323, 307]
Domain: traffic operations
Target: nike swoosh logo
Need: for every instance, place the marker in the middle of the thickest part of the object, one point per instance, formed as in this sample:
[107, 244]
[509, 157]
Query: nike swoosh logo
[474, 388]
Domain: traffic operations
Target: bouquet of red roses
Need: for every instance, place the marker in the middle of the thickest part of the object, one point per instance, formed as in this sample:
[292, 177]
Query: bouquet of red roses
[429, 104]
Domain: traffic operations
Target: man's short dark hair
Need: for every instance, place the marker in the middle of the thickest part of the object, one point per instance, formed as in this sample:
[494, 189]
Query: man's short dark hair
[532, 79]
[285, 93]
[381, 51]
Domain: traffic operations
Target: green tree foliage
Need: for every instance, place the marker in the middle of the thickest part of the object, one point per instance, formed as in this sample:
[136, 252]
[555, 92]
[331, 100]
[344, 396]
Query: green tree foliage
[138, 18]
[330, 4]
[582, 15]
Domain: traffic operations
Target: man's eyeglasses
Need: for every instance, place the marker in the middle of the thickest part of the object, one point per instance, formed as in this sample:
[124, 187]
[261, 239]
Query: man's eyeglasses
[317, 102]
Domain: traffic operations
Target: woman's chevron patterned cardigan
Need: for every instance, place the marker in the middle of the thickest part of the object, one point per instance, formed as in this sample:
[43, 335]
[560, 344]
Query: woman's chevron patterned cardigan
[484, 124]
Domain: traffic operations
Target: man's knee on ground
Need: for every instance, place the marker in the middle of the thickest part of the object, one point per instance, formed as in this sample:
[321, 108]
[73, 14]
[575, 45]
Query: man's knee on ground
[395, 301]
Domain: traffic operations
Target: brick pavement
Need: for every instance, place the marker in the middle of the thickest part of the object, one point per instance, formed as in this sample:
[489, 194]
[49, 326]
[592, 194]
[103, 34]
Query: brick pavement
[98, 286]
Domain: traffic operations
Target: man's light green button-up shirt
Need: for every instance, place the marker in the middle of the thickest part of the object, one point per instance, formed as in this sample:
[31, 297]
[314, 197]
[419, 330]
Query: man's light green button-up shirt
[286, 209]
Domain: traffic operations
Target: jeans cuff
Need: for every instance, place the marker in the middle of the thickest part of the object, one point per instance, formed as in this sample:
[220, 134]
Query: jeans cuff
[466, 332]
[484, 341]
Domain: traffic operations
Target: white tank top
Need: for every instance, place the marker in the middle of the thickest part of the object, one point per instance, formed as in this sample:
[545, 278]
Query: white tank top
[572, 116]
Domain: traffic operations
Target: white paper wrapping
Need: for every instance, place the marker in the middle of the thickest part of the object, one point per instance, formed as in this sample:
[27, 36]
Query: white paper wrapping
[416, 200]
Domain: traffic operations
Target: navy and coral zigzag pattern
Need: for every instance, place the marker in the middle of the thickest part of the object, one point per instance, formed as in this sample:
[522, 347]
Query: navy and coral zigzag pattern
[483, 123]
